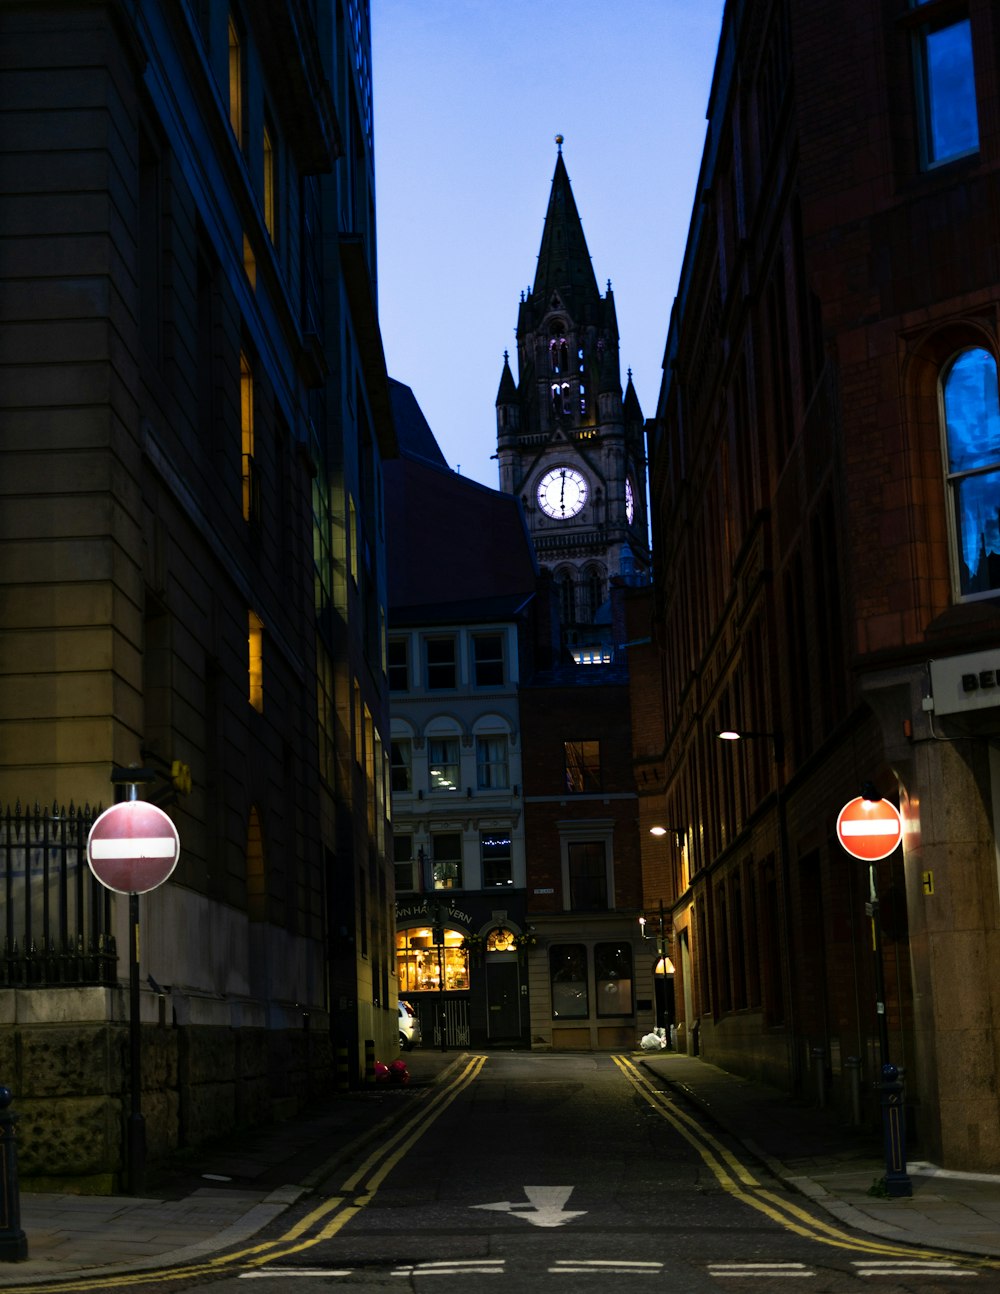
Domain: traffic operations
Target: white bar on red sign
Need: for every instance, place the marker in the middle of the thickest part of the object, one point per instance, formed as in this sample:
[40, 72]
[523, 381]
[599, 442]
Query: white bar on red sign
[135, 847]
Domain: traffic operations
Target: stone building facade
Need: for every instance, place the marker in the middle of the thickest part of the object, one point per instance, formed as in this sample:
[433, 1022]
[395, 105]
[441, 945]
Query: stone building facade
[192, 569]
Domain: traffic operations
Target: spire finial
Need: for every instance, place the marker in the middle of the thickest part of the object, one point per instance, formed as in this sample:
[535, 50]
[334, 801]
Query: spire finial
[506, 357]
[630, 375]
[559, 142]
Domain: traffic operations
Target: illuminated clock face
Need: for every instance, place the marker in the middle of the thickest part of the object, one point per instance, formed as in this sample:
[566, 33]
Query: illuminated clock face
[562, 492]
[629, 501]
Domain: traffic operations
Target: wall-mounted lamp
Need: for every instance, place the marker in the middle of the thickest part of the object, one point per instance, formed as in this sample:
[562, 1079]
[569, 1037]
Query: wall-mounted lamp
[777, 738]
[642, 925]
[679, 833]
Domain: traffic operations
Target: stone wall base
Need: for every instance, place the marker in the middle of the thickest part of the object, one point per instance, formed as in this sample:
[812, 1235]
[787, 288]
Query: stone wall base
[70, 1080]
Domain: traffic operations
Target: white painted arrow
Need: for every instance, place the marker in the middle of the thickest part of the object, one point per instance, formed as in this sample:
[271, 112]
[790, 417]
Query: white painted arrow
[544, 1207]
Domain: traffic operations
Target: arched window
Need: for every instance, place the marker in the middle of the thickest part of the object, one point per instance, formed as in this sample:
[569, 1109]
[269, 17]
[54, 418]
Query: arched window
[556, 398]
[558, 352]
[972, 462]
[567, 398]
[565, 588]
[594, 591]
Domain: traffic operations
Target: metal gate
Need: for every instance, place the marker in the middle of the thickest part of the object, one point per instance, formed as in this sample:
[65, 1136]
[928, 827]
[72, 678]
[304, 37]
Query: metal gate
[456, 1020]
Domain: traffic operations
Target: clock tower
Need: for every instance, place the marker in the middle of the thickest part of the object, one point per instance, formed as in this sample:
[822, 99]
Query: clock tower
[569, 443]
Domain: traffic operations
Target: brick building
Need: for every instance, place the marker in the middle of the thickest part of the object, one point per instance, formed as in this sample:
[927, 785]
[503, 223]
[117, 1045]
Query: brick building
[825, 468]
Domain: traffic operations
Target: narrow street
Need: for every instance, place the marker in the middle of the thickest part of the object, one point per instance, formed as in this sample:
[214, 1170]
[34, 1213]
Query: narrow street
[539, 1168]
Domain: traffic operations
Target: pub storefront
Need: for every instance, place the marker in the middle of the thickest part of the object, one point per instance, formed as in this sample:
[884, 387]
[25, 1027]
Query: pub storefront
[461, 964]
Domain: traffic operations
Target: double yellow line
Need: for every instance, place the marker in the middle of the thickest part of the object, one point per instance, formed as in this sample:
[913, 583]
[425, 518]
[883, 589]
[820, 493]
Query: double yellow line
[736, 1178]
[321, 1223]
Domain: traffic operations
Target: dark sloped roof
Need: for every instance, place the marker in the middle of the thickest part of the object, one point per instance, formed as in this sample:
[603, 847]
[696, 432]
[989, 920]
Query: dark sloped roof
[452, 542]
[413, 433]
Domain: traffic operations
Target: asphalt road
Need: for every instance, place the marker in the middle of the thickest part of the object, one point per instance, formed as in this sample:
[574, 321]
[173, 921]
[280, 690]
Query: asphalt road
[560, 1172]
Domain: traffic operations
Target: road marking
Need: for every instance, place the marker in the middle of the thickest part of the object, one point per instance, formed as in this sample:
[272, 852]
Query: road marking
[544, 1207]
[273, 1273]
[321, 1224]
[915, 1267]
[738, 1181]
[749, 1270]
[453, 1267]
[607, 1266]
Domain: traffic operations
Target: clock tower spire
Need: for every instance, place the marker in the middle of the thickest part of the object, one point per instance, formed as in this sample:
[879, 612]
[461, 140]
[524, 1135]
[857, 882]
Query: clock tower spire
[568, 442]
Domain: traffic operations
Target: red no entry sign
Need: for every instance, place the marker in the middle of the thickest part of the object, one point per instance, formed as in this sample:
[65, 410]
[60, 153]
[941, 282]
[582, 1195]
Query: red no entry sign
[133, 847]
[869, 829]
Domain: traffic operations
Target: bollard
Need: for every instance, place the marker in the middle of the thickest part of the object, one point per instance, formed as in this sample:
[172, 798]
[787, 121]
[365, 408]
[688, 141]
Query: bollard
[343, 1070]
[819, 1064]
[369, 1061]
[897, 1181]
[13, 1241]
[852, 1066]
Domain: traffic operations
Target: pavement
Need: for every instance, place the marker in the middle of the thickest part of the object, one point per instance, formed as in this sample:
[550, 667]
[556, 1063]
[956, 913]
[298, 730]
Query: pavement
[220, 1195]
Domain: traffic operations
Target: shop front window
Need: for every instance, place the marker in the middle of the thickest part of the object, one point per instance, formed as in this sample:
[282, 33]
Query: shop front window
[613, 976]
[568, 975]
[421, 965]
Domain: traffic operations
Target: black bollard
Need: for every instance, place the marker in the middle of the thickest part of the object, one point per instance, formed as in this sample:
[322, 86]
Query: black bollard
[13, 1241]
[897, 1180]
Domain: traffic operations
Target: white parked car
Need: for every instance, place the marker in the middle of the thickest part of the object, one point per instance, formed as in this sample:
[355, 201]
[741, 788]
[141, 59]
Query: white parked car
[409, 1027]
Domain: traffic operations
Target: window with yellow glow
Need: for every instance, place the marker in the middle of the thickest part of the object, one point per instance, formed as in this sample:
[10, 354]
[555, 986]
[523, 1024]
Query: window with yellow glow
[249, 262]
[421, 964]
[256, 652]
[251, 485]
[235, 81]
[270, 182]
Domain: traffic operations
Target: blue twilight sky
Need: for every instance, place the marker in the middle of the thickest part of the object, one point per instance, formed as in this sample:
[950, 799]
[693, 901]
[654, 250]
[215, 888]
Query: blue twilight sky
[468, 97]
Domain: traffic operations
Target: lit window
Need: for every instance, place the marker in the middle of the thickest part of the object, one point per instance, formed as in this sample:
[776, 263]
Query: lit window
[583, 766]
[352, 523]
[249, 262]
[446, 856]
[972, 451]
[491, 763]
[251, 484]
[402, 755]
[422, 964]
[946, 88]
[256, 662]
[613, 978]
[235, 81]
[568, 977]
[270, 182]
[441, 671]
[494, 851]
[487, 652]
[443, 763]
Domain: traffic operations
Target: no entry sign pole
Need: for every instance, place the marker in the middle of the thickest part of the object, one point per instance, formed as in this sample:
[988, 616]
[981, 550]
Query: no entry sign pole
[132, 848]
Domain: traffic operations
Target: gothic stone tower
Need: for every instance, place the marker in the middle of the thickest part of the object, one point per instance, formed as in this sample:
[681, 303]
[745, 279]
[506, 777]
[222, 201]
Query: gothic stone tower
[568, 442]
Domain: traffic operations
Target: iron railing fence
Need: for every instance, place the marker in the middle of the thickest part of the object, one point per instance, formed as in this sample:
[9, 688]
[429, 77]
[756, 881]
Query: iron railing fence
[54, 914]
